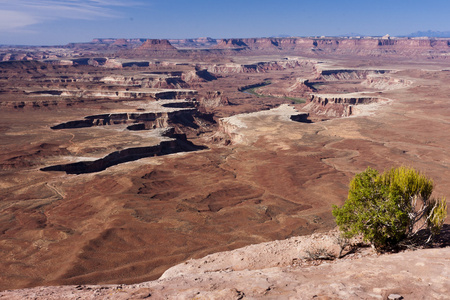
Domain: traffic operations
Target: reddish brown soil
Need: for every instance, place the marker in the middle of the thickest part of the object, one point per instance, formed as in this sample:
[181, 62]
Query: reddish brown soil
[132, 221]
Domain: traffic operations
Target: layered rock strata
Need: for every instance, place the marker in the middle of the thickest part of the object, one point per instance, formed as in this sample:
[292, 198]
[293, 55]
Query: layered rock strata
[156, 45]
[428, 48]
[338, 105]
[179, 143]
[371, 46]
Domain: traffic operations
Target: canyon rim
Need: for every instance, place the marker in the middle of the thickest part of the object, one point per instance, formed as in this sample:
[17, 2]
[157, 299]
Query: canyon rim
[121, 158]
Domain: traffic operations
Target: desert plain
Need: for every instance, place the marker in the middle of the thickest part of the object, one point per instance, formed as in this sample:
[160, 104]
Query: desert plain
[122, 158]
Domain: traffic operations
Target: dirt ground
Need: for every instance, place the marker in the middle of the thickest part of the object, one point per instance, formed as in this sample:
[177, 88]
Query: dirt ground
[283, 269]
[263, 176]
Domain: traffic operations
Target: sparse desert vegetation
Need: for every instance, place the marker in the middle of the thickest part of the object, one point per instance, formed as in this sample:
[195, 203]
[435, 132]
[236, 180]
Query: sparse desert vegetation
[391, 208]
[121, 161]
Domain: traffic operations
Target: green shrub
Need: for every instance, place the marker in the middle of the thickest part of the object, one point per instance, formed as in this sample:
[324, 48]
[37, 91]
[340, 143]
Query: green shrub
[390, 208]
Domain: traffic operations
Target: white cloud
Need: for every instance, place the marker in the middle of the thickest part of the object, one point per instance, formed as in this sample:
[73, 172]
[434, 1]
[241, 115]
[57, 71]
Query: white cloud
[10, 20]
[18, 14]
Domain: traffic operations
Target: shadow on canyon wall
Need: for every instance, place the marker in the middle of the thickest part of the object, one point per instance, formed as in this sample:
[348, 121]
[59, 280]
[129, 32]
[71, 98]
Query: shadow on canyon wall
[179, 144]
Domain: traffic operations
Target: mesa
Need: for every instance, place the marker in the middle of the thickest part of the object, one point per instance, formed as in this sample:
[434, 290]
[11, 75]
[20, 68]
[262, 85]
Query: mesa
[120, 158]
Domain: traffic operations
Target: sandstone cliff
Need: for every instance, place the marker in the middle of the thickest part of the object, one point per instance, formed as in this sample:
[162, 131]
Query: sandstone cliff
[202, 42]
[338, 105]
[371, 46]
[423, 48]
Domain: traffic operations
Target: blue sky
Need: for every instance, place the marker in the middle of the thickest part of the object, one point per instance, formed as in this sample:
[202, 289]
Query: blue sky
[58, 22]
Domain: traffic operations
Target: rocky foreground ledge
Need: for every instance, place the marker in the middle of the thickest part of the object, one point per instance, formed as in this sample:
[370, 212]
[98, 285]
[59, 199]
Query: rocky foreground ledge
[282, 270]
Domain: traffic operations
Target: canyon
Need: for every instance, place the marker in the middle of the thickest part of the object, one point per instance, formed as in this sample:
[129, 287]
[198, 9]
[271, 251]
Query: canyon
[423, 47]
[121, 158]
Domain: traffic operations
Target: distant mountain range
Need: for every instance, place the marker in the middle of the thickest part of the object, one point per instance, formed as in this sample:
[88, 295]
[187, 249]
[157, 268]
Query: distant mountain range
[430, 33]
[351, 34]
[280, 36]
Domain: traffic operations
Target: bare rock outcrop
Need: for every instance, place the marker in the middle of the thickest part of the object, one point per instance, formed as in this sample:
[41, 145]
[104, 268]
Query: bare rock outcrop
[197, 76]
[337, 105]
[302, 85]
[386, 82]
[158, 81]
[238, 128]
[261, 67]
[230, 43]
[214, 99]
[156, 45]
[347, 74]
[136, 94]
[426, 48]
[280, 270]
[232, 68]
[202, 42]
[112, 63]
[365, 46]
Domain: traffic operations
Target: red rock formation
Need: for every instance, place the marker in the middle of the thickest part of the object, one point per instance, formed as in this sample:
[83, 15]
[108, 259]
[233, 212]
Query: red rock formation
[346, 46]
[121, 42]
[214, 99]
[337, 105]
[230, 43]
[262, 43]
[156, 45]
[347, 74]
[197, 76]
[302, 85]
[260, 67]
[202, 42]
